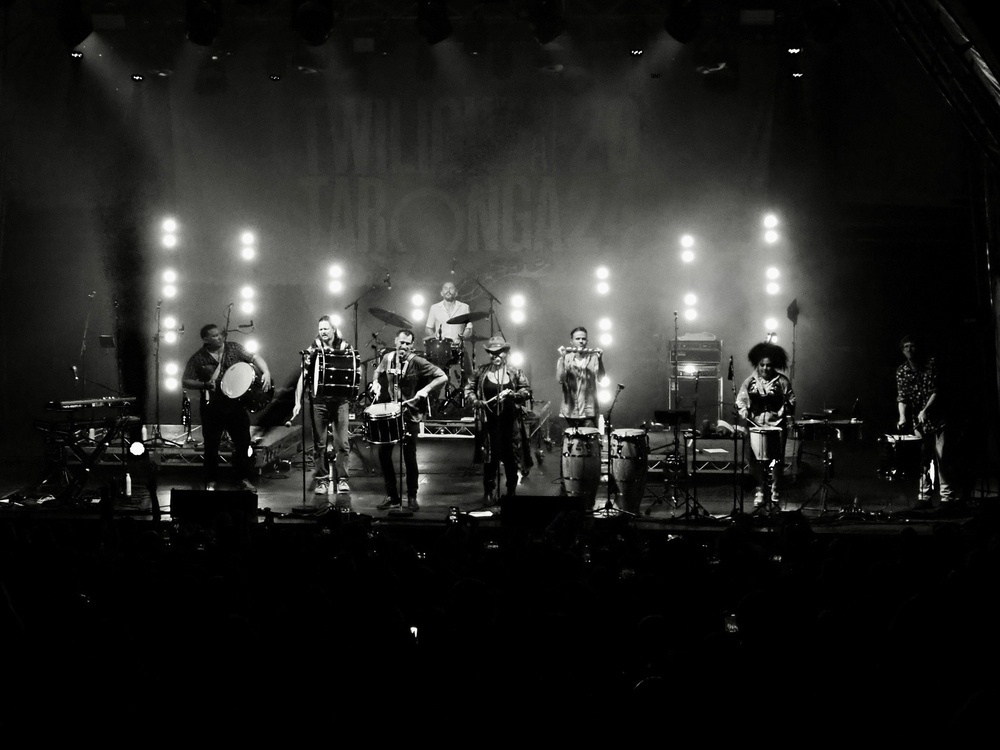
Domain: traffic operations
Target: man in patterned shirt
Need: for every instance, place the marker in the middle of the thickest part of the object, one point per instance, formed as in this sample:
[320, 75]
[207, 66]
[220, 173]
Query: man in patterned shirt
[921, 412]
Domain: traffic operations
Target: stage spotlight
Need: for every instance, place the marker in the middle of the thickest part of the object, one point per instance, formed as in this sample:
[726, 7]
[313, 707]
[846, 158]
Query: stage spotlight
[603, 287]
[247, 238]
[690, 299]
[169, 276]
[604, 324]
[770, 324]
[76, 54]
[687, 256]
[516, 359]
[546, 20]
[170, 337]
[247, 307]
[683, 21]
[605, 381]
[169, 323]
[690, 369]
[433, 23]
[171, 384]
[518, 300]
[171, 368]
[772, 273]
[252, 346]
[770, 236]
[136, 448]
[169, 226]
[772, 287]
[690, 314]
[203, 21]
[169, 240]
[313, 21]
[604, 395]
[517, 316]
[605, 339]
[247, 292]
[248, 252]
[336, 271]
[169, 291]
[417, 313]
[602, 272]
[417, 300]
[687, 240]
[73, 23]
[336, 319]
[336, 286]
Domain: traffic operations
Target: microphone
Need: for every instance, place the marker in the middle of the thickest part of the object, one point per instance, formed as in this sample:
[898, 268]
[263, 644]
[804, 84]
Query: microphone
[76, 373]
[621, 387]
[440, 332]
[730, 375]
[245, 325]
[386, 281]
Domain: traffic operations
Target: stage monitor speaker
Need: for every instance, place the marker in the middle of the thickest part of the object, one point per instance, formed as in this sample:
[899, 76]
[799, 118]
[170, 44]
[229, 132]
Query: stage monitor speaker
[536, 512]
[206, 507]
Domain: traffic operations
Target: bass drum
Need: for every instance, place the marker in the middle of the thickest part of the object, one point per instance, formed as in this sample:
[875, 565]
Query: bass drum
[336, 375]
[243, 383]
[440, 352]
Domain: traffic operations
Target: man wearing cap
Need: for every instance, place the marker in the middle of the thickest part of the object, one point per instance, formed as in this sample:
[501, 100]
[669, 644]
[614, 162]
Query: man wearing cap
[496, 391]
[410, 380]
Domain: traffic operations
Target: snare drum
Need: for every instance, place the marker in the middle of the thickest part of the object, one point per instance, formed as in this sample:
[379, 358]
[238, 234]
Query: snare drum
[243, 383]
[629, 464]
[581, 462]
[383, 423]
[441, 352]
[336, 375]
[765, 442]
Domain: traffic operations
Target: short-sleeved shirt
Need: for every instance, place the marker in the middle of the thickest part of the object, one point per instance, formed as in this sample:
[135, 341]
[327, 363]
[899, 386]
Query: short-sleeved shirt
[407, 377]
[202, 364]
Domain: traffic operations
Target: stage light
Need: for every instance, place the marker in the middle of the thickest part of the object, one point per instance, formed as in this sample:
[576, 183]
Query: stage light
[771, 324]
[683, 20]
[604, 382]
[171, 384]
[170, 276]
[518, 300]
[336, 286]
[203, 21]
[313, 21]
[690, 369]
[690, 299]
[76, 54]
[687, 256]
[772, 288]
[169, 323]
[432, 22]
[690, 314]
[136, 448]
[546, 20]
[604, 396]
[770, 221]
[770, 236]
[602, 272]
[687, 241]
[138, 77]
[516, 359]
[246, 292]
[417, 314]
[604, 324]
[417, 300]
[169, 240]
[170, 337]
[169, 226]
[336, 271]
[772, 273]
[252, 346]
[248, 252]
[603, 287]
[171, 368]
[517, 315]
[336, 320]
[247, 238]
[73, 23]
[605, 339]
[169, 291]
[246, 307]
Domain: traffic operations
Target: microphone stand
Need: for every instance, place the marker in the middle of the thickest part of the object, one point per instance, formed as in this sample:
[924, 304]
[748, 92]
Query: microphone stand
[739, 463]
[609, 507]
[692, 508]
[492, 313]
[354, 307]
[157, 438]
[83, 348]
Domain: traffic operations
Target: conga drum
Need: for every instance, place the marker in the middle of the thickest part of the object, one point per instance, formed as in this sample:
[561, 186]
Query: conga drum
[581, 462]
[629, 464]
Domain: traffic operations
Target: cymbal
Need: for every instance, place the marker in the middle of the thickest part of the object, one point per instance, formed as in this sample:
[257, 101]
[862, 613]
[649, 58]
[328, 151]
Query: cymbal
[467, 318]
[389, 317]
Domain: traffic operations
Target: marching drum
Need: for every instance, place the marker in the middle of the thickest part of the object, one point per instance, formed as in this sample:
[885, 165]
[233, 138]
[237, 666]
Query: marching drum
[629, 455]
[383, 423]
[765, 442]
[243, 383]
[440, 352]
[581, 462]
[336, 375]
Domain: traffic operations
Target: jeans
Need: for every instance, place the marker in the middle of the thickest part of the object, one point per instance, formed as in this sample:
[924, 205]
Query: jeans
[331, 435]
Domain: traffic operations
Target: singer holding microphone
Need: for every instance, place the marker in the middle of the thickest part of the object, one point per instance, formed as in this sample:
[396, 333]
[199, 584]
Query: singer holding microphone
[403, 377]
[766, 401]
[496, 392]
[579, 369]
[219, 413]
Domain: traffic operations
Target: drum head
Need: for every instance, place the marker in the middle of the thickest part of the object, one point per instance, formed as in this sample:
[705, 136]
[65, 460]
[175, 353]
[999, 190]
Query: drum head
[386, 410]
[237, 379]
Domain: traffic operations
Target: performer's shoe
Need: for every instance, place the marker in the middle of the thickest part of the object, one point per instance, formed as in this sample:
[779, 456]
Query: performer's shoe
[322, 487]
[411, 503]
[758, 499]
[343, 486]
[489, 498]
[389, 502]
[247, 485]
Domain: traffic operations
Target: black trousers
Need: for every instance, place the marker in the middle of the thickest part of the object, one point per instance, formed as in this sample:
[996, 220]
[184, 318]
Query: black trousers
[409, 448]
[500, 432]
[220, 415]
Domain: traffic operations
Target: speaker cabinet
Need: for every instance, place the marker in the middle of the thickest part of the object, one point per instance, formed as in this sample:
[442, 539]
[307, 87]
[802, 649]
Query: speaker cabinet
[536, 512]
[205, 507]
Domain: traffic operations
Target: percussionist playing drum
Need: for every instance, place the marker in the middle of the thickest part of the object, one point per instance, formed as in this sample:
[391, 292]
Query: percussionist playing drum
[204, 372]
[330, 413]
[766, 401]
[408, 380]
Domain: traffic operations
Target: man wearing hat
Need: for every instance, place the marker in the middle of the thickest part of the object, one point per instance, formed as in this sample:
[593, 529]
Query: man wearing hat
[410, 380]
[496, 391]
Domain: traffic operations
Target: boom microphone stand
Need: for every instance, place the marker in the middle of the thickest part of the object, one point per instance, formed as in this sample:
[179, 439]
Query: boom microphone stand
[157, 438]
[692, 508]
[609, 508]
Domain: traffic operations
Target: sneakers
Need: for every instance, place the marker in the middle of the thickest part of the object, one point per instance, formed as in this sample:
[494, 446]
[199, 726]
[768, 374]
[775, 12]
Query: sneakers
[389, 502]
[322, 487]
[247, 485]
[343, 486]
[210, 486]
[758, 499]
